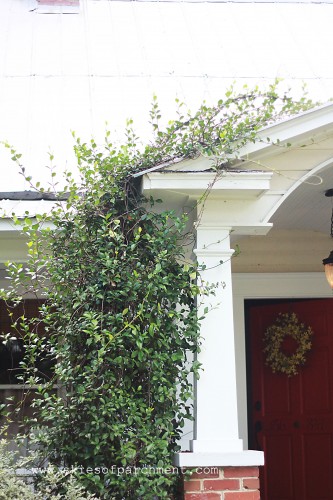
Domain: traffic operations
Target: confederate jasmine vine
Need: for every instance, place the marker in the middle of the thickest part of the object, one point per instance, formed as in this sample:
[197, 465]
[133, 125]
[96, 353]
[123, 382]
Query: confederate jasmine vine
[120, 303]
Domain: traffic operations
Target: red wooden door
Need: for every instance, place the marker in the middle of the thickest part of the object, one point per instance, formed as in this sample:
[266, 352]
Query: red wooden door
[291, 418]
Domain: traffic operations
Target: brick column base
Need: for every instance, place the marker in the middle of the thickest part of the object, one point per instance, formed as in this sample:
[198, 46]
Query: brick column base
[227, 483]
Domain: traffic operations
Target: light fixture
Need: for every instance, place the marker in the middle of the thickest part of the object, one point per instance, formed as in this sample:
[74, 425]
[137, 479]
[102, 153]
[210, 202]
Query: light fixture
[328, 262]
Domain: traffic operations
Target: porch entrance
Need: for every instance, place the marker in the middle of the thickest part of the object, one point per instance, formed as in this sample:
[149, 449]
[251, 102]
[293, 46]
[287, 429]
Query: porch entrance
[291, 418]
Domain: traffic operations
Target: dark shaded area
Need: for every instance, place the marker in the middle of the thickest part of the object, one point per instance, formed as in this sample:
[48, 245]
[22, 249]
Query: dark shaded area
[12, 352]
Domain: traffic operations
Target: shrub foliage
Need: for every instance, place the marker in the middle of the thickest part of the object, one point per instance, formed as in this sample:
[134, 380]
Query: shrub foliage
[120, 309]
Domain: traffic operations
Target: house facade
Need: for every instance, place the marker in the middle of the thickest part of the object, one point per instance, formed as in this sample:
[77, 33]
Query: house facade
[77, 65]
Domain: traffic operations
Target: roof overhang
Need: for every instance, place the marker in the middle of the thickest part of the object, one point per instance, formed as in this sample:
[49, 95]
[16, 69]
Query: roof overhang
[226, 184]
[295, 130]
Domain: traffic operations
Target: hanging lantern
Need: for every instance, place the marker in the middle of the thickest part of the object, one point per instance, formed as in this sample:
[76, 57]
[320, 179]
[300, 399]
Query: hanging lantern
[328, 266]
[328, 262]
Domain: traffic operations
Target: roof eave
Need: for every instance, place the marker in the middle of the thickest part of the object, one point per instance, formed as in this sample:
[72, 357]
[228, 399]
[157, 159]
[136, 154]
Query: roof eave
[295, 128]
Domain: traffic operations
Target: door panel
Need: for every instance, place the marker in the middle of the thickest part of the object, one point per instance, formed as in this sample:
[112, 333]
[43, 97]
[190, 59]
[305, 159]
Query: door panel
[316, 385]
[278, 453]
[317, 452]
[291, 418]
[279, 400]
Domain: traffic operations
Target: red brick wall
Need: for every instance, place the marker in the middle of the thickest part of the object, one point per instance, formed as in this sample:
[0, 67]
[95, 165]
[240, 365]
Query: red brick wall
[227, 483]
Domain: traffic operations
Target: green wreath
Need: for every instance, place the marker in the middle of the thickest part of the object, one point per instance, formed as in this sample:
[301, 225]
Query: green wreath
[286, 325]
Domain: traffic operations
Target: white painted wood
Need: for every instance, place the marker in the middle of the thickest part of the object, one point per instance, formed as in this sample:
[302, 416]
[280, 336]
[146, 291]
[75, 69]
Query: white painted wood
[216, 418]
[240, 459]
[295, 129]
[282, 251]
[232, 184]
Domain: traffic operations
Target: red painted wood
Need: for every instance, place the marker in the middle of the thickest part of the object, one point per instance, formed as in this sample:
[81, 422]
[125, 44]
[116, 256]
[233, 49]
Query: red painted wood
[292, 417]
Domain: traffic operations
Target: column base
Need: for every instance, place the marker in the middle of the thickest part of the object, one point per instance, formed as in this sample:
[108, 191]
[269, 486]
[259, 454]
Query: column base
[216, 445]
[243, 458]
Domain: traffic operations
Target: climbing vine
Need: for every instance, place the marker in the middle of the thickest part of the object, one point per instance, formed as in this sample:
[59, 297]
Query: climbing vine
[120, 301]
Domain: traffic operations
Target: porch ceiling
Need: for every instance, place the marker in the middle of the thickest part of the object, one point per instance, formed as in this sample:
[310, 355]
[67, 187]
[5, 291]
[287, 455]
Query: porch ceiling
[307, 207]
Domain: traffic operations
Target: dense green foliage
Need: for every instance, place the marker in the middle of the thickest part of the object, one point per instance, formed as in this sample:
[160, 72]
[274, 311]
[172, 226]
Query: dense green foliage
[120, 308]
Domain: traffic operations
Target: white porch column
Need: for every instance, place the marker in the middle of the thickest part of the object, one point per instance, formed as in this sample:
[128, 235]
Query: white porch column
[216, 436]
[216, 419]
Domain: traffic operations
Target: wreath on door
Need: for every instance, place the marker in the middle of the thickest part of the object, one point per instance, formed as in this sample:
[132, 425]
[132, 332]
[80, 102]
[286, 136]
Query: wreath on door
[287, 325]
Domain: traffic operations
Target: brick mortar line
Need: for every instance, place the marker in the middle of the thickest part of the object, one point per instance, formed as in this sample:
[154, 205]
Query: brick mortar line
[241, 488]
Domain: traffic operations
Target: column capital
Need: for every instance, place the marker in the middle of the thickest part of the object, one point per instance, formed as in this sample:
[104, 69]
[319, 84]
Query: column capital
[213, 240]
